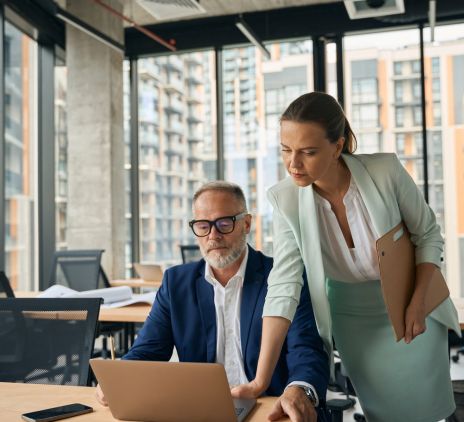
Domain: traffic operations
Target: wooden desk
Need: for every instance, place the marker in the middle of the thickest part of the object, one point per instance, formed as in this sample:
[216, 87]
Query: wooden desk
[137, 312]
[136, 283]
[132, 313]
[16, 399]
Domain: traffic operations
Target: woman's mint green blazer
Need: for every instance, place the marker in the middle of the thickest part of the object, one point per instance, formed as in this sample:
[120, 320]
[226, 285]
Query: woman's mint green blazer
[390, 196]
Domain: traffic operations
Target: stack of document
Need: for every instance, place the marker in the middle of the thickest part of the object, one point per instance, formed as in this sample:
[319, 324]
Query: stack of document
[113, 297]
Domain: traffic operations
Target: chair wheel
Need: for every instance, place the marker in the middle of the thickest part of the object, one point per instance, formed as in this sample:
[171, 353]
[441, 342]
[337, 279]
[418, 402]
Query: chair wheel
[359, 417]
[455, 358]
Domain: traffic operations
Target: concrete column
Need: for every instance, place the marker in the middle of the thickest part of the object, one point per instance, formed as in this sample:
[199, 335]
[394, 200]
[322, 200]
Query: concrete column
[95, 213]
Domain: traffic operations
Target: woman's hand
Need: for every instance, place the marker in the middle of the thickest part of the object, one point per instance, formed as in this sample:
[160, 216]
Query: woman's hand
[100, 396]
[252, 390]
[414, 320]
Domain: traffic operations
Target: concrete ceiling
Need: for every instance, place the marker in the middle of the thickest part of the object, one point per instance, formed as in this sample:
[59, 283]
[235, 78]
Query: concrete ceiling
[134, 11]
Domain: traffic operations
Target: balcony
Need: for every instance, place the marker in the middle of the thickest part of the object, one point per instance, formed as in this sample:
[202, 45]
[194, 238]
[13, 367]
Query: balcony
[194, 136]
[174, 85]
[174, 105]
[174, 126]
[193, 59]
[193, 79]
[174, 62]
[174, 148]
[149, 70]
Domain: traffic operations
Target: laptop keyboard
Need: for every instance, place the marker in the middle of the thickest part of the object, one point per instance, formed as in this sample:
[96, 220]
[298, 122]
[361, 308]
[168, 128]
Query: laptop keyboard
[239, 411]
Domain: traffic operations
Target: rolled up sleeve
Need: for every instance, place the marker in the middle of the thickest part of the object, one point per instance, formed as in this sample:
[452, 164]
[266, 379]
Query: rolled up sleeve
[418, 217]
[286, 278]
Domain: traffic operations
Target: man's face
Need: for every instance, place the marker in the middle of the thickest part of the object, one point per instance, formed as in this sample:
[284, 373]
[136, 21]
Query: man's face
[221, 250]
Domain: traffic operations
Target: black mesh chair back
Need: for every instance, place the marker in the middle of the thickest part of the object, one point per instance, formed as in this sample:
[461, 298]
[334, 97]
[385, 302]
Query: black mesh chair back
[5, 286]
[47, 341]
[190, 253]
[78, 269]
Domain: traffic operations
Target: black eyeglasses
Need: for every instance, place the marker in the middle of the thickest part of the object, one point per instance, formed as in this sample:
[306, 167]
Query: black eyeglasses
[224, 225]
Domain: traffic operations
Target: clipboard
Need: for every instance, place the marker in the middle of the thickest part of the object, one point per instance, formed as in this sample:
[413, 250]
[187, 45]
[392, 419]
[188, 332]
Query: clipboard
[397, 263]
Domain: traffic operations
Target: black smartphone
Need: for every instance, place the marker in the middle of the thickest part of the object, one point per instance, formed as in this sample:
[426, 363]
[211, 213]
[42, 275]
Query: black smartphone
[56, 413]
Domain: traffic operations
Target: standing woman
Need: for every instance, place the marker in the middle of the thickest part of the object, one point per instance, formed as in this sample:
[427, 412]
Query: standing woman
[327, 217]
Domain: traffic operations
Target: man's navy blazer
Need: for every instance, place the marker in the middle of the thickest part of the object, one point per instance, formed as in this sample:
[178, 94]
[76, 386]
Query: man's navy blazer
[183, 315]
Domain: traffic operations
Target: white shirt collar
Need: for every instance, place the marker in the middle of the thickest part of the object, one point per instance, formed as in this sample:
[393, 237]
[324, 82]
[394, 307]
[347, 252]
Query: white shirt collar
[240, 274]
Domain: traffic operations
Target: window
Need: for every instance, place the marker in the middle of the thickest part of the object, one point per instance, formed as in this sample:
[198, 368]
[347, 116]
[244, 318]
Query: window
[398, 68]
[378, 86]
[447, 151]
[416, 68]
[399, 116]
[251, 135]
[177, 148]
[20, 157]
[435, 65]
[400, 147]
[399, 91]
[417, 116]
[437, 114]
[368, 143]
[418, 144]
[365, 116]
[436, 88]
[416, 90]
[61, 157]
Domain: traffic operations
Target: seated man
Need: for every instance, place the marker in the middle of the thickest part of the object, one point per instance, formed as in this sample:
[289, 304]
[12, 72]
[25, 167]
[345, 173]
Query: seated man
[210, 310]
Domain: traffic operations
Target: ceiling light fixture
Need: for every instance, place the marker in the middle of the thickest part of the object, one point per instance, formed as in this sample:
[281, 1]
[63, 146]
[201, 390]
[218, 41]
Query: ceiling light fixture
[246, 30]
[88, 29]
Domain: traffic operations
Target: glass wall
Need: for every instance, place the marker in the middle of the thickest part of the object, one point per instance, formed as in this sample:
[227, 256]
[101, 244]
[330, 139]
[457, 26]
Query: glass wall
[444, 70]
[20, 54]
[256, 92]
[383, 99]
[177, 138]
[61, 156]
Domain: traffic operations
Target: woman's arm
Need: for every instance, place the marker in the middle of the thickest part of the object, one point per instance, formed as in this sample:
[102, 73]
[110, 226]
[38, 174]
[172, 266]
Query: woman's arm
[284, 290]
[274, 332]
[425, 234]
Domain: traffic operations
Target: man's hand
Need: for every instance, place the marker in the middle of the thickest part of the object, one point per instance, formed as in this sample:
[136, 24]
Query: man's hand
[295, 404]
[100, 396]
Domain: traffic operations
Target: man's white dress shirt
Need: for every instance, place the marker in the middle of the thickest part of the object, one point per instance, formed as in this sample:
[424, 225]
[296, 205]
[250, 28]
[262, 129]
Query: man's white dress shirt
[227, 301]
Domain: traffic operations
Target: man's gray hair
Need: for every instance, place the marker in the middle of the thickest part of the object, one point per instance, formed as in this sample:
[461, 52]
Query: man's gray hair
[222, 186]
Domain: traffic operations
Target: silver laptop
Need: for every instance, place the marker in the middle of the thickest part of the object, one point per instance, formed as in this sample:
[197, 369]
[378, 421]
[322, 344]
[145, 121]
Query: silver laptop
[168, 391]
[149, 272]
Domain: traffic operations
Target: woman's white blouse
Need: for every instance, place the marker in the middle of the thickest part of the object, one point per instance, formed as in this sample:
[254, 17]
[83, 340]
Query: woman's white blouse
[341, 262]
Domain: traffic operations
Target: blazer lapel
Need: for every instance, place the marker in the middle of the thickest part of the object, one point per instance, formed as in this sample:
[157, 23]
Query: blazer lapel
[378, 210]
[252, 285]
[312, 257]
[205, 295]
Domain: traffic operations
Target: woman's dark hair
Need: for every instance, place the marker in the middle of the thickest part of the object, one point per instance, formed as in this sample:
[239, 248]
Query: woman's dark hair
[322, 108]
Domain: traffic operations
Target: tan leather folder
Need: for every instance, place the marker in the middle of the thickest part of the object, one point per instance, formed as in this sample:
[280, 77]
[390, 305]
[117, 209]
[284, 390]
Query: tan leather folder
[397, 262]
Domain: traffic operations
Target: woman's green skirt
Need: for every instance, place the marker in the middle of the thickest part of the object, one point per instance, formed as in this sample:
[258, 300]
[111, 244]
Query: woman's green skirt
[395, 382]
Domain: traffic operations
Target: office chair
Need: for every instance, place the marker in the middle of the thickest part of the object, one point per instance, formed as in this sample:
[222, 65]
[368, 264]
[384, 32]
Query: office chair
[458, 389]
[78, 269]
[5, 286]
[190, 253]
[47, 341]
[81, 270]
[338, 406]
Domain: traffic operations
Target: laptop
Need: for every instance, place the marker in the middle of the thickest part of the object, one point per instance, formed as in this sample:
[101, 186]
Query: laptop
[168, 391]
[149, 272]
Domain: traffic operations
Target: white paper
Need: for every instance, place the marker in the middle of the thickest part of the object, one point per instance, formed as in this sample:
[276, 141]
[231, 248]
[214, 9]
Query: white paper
[113, 297]
[148, 298]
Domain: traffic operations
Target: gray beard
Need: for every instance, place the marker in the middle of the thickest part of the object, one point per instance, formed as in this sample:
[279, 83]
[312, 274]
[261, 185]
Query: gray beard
[224, 261]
